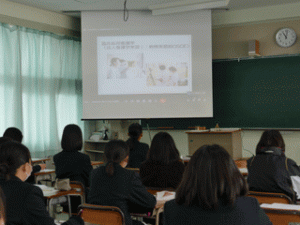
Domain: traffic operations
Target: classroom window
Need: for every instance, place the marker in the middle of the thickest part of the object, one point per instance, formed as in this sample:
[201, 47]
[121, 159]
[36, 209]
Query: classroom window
[40, 86]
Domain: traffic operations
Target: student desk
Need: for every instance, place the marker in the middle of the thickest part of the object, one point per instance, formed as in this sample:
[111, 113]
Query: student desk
[45, 174]
[241, 164]
[54, 197]
[39, 160]
[96, 164]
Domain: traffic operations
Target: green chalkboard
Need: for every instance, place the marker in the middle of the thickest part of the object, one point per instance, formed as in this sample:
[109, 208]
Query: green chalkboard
[250, 93]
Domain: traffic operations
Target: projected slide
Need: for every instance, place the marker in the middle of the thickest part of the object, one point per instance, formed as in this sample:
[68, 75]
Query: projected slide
[154, 64]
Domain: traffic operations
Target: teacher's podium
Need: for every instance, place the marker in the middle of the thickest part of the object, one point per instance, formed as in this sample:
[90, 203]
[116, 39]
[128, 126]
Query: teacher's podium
[230, 139]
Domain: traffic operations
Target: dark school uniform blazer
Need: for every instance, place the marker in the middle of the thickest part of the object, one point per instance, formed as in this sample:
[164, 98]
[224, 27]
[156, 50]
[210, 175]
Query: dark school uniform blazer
[25, 204]
[246, 211]
[270, 171]
[122, 189]
[74, 165]
[154, 174]
[138, 154]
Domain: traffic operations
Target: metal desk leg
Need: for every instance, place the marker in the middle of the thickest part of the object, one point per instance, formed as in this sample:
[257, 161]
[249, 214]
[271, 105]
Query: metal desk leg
[69, 204]
[50, 207]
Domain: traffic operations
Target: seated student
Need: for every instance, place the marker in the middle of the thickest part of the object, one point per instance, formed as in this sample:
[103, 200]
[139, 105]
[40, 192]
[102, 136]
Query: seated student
[2, 208]
[113, 185]
[16, 135]
[25, 203]
[163, 167]
[70, 163]
[270, 170]
[213, 190]
[138, 150]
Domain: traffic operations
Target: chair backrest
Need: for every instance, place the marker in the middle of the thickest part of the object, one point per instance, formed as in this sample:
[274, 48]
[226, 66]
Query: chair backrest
[104, 215]
[283, 217]
[267, 197]
[80, 189]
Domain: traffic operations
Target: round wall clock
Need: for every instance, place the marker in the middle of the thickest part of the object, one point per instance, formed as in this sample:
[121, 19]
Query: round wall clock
[286, 37]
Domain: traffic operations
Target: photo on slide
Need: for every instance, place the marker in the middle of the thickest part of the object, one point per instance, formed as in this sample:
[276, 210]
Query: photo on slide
[157, 64]
[122, 66]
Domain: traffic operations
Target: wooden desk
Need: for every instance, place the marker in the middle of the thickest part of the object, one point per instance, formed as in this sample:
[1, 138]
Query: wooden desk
[242, 167]
[96, 164]
[56, 199]
[46, 173]
[39, 160]
[229, 139]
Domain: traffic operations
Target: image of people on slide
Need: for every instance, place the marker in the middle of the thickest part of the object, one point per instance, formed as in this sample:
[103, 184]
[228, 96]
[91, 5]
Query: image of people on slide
[154, 64]
[124, 67]
[164, 75]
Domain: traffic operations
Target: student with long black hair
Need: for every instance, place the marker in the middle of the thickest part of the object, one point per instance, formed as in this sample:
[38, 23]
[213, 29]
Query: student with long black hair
[16, 135]
[113, 185]
[70, 163]
[213, 191]
[24, 202]
[270, 170]
[138, 150]
[163, 167]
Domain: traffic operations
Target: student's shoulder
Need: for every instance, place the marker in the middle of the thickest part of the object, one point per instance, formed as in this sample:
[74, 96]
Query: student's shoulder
[83, 155]
[144, 145]
[246, 201]
[24, 187]
[57, 155]
[291, 162]
[169, 205]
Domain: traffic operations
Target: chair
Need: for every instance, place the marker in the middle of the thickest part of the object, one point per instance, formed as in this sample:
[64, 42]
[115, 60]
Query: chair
[267, 197]
[283, 217]
[104, 215]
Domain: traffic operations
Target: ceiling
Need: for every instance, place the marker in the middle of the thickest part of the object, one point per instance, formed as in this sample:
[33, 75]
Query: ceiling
[73, 7]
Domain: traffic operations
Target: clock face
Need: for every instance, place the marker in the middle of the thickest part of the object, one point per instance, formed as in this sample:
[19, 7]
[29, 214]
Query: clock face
[286, 37]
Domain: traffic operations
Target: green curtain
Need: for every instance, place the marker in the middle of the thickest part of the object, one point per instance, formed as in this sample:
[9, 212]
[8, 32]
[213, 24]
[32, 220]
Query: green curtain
[40, 86]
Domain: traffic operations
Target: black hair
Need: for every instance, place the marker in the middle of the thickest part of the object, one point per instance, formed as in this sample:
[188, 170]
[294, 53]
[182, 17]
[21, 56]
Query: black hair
[115, 152]
[210, 178]
[4, 139]
[270, 138]
[12, 156]
[135, 130]
[162, 67]
[172, 69]
[71, 138]
[13, 133]
[163, 149]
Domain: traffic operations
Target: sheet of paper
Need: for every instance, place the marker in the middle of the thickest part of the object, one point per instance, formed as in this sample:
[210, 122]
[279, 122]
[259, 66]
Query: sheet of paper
[47, 191]
[243, 170]
[165, 195]
[280, 206]
[296, 185]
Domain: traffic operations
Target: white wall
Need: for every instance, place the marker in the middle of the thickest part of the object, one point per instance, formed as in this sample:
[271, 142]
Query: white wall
[44, 20]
